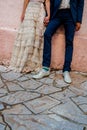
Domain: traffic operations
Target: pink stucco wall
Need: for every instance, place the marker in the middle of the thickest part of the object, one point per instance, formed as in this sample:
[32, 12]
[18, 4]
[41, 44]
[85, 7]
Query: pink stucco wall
[10, 12]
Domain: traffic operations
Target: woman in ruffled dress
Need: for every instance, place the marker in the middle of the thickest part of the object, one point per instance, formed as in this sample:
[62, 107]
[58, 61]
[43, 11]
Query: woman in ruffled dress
[28, 46]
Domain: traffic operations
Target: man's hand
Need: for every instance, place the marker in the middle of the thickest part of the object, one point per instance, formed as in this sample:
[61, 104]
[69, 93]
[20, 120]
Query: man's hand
[46, 20]
[22, 17]
[78, 26]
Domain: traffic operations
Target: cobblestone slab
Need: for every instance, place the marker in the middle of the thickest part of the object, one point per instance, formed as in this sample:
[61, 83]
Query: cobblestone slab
[2, 127]
[84, 86]
[64, 124]
[60, 83]
[31, 123]
[63, 95]
[10, 76]
[1, 83]
[80, 100]
[13, 86]
[18, 97]
[45, 104]
[70, 111]
[40, 122]
[1, 120]
[46, 89]
[3, 68]
[7, 128]
[3, 92]
[28, 75]
[77, 90]
[45, 80]
[30, 84]
[18, 110]
[49, 81]
[22, 78]
[78, 78]
[84, 108]
[1, 106]
[41, 104]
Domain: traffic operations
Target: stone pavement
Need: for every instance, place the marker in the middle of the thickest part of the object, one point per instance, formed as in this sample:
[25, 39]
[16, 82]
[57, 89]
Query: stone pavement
[46, 104]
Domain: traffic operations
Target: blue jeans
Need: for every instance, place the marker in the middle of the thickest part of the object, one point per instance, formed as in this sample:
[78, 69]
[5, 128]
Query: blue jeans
[63, 17]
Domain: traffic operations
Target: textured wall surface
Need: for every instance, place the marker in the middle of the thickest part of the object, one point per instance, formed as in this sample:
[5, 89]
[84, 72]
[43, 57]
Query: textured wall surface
[10, 12]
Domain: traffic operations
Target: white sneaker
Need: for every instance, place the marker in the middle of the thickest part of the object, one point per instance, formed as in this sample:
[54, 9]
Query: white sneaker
[42, 73]
[67, 77]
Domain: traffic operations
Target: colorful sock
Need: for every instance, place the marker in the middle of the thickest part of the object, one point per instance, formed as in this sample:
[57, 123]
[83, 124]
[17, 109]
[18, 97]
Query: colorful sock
[46, 68]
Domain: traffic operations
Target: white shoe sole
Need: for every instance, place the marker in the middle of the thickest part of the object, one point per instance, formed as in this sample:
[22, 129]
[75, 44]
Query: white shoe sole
[34, 76]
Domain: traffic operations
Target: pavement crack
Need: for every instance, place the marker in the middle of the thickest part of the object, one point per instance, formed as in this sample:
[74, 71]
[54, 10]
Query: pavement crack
[66, 118]
[7, 125]
[76, 105]
[4, 83]
[85, 128]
